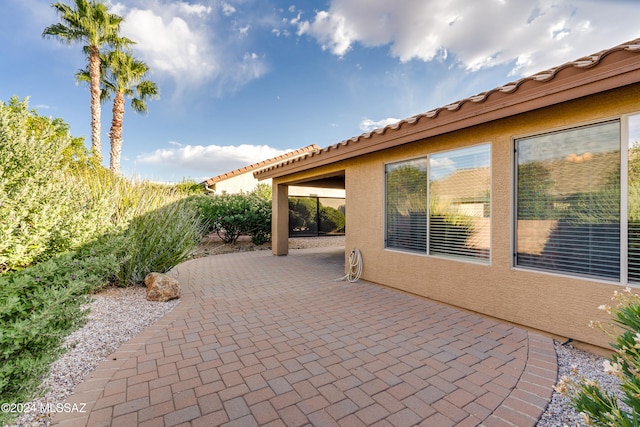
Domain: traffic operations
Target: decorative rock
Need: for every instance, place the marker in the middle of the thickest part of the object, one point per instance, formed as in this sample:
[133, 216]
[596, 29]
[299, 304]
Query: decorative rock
[161, 287]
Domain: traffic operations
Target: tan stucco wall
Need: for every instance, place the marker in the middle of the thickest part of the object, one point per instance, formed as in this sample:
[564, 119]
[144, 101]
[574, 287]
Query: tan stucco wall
[557, 304]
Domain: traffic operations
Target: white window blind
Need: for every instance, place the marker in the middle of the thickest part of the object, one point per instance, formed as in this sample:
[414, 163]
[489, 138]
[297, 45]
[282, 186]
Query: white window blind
[440, 204]
[633, 200]
[406, 205]
[568, 201]
[459, 203]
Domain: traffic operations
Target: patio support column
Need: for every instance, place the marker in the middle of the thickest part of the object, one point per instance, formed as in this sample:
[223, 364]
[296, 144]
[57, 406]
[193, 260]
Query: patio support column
[280, 220]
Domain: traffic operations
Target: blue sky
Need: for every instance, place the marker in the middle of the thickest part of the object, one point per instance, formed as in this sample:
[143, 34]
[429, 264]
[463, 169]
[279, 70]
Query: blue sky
[246, 80]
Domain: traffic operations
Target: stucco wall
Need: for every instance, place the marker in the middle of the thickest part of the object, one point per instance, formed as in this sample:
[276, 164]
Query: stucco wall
[554, 303]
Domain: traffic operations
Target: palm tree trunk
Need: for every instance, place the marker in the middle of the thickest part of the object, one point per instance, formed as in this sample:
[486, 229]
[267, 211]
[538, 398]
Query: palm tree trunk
[115, 134]
[94, 74]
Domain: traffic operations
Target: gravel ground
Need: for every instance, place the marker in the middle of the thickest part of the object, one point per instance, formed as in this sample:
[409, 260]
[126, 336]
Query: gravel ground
[111, 323]
[559, 412]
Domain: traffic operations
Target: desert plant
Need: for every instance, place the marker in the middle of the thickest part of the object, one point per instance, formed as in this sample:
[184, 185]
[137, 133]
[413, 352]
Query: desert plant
[257, 221]
[44, 208]
[263, 191]
[331, 220]
[39, 306]
[601, 408]
[159, 240]
[303, 214]
[233, 215]
[188, 187]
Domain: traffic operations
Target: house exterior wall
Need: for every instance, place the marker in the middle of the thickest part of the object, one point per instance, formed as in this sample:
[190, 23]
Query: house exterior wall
[553, 303]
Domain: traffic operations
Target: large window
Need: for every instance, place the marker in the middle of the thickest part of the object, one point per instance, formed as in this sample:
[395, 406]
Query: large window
[440, 205]
[407, 205]
[633, 200]
[570, 200]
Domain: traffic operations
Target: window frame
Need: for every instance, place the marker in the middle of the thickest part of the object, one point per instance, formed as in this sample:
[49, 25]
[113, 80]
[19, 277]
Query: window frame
[385, 233]
[623, 120]
[427, 253]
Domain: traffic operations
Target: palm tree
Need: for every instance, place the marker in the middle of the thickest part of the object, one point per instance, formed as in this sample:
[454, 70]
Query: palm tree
[89, 22]
[123, 77]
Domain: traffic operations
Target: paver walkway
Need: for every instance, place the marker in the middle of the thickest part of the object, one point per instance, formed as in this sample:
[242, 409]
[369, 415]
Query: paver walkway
[264, 340]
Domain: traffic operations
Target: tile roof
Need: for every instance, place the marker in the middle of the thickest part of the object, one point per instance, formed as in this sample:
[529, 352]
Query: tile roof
[562, 83]
[264, 163]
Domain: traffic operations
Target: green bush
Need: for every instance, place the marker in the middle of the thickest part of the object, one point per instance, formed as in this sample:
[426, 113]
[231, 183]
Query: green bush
[188, 187]
[258, 220]
[233, 215]
[39, 306]
[303, 213]
[601, 408]
[44, 210]
[159, 240]
[331, 220]
[68, 226]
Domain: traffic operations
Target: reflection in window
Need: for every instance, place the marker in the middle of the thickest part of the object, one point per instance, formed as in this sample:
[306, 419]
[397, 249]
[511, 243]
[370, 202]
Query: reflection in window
[568, 201]
[406, 201]
[452, 218]
[459, 207]
[634, 199]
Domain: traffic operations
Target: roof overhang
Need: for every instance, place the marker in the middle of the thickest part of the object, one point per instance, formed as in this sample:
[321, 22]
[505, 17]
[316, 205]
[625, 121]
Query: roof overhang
[264, 163]
[609, 69]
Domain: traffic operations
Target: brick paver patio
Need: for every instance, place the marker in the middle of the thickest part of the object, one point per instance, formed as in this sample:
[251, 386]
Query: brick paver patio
[264, 340]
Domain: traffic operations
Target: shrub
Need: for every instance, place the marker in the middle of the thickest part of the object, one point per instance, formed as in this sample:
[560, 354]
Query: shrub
[188, 187]
[600, 408]
[258, 220]
[67, 227]
[331, 220]
[39, 306]
[303, 214]
[43, 209]
[159, 240]
[233, 215]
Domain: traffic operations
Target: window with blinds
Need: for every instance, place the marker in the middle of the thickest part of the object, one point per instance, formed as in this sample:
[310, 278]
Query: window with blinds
[406, 205]
[440, 205]
[459, 203]
[568, 201]
[633, 200]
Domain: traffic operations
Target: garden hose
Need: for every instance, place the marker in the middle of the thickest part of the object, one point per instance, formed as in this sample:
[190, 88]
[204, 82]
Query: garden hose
[355, 267]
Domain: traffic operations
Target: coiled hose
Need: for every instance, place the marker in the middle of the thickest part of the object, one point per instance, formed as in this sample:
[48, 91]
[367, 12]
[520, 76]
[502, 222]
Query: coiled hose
[355, 267]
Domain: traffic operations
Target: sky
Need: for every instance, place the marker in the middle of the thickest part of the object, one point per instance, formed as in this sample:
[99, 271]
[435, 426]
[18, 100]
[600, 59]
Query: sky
[245, 80]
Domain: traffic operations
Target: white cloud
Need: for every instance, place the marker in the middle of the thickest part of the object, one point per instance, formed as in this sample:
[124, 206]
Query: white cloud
[169, 42]
[191, 43]
[331, 31]
[533, 35]
[368, 125]
[227, 9]
[209, 160]
[193, 9]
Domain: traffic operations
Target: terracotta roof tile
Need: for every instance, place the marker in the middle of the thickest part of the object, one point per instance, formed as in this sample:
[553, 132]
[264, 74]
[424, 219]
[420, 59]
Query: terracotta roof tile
[262, 164]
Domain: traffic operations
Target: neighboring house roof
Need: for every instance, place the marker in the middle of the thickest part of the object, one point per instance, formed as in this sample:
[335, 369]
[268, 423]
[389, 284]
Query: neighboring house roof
[464, 185]
[609, 69]
[262, 164]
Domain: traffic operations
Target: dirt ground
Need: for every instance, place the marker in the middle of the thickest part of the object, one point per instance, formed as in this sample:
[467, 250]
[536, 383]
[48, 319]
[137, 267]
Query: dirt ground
[213, 245]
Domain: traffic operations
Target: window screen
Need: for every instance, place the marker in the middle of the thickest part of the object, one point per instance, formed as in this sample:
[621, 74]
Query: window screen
[568, 201]
[406, 202]
[459, 202]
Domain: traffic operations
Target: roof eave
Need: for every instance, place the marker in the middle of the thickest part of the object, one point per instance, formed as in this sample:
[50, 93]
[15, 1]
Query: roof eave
[610, 70]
